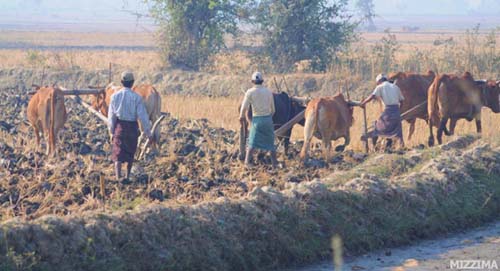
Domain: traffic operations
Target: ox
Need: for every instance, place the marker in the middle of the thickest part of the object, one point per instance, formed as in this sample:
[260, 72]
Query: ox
[47, 114]
[150, 96]
[452, 97]
[414, 89]
[286, 108]
[328, 119]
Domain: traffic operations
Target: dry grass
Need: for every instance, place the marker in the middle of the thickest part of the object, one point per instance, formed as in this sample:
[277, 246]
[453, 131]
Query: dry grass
[57, 38]
[146, 61]
[222, 112]
[412, 52]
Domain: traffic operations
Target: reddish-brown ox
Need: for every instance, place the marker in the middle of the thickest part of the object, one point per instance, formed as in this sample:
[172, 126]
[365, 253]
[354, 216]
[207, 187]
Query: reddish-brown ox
[47, 114]
[452, 97]
[414, 88]
[328, 119]
[150, 96]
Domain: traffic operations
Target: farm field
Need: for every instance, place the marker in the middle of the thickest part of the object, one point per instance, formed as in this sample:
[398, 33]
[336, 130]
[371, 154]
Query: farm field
[192, 205]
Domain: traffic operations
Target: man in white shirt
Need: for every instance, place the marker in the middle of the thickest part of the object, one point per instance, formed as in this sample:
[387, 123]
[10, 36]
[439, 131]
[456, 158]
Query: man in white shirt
[262, 130]
[125, 108]
[389, 124]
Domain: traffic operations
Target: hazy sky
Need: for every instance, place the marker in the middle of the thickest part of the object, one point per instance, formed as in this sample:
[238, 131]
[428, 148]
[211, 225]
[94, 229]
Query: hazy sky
[96, 12]
[437, 7]
[420, 7]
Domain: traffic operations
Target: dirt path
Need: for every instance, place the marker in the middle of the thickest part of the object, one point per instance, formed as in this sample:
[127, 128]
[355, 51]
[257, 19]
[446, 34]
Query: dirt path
[479, 244]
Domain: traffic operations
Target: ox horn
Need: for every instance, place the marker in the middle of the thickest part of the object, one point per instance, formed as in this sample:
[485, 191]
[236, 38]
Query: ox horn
[353, 103]
[300, 100]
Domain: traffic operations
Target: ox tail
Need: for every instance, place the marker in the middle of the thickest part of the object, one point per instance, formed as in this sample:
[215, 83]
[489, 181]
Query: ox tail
[432, 103]
[156, 115]
[310, 127]
[243, 137]
[52, 142]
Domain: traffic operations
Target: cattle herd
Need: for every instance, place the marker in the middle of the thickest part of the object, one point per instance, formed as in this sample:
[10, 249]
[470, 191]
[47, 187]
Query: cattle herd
[430, 97]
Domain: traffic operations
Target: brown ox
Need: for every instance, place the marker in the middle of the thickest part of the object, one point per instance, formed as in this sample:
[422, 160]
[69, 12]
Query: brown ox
[414, 89]
[328, 119]
[150, 96]
[47, 114]
[454, 98]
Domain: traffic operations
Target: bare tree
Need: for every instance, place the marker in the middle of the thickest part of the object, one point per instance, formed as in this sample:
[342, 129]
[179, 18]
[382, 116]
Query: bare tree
[367, 10]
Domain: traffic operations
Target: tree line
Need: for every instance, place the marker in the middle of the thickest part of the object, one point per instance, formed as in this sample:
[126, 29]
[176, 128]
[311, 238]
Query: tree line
[291, 30]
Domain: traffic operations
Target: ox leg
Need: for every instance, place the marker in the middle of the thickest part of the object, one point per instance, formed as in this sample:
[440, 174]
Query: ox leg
[48, 143]
[156, 135]
[442, 127]
[478, 126]
[453, 124]
[304, 153]
[37, 134]
[431, 134]
[129, 169]
[388, 144]
[309, 128]
[327, 146]
[118, 170]
[374, 142]
[54, 144]
[411, 129]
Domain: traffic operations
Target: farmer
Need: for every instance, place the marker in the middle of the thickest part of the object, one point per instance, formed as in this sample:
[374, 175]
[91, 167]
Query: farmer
[125, 108]
[262, 129]
[389, 124]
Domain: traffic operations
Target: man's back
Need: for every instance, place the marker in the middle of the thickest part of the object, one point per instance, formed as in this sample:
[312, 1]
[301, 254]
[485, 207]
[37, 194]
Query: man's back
[389, 93]
[127, 105]
[124, 104]
[261, 100]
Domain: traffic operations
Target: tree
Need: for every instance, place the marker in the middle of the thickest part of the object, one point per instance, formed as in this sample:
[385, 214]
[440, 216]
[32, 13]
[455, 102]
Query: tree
[191, 30]
[295, 30]
[367, 11]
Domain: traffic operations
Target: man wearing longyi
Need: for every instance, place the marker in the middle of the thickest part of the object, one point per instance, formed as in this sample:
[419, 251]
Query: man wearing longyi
[389, 124]
[262, 130]
[125, 108]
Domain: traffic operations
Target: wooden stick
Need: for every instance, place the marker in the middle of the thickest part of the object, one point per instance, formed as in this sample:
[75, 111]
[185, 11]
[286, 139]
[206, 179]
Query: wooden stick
[243, 139]
[146, 144]
[96, 87]
[82, 92]
[365, 128]
[103, 191]
[89, 108]
[77, 92]
[412, 109]
[282, 130]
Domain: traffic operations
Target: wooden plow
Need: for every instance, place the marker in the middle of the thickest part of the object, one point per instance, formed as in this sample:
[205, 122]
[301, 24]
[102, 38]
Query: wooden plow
[75, 95]
[278, 132]
[368, 130]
